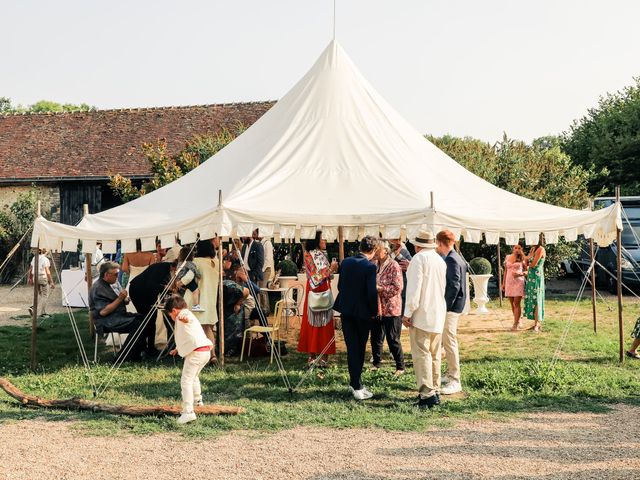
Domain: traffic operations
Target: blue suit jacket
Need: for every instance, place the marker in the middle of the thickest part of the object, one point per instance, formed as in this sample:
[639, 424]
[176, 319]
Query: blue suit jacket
[357, 296]
[455, 293]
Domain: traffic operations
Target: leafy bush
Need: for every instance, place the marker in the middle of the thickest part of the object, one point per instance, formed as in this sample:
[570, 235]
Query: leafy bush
[15, 220]
[288, 269]
[480, 266]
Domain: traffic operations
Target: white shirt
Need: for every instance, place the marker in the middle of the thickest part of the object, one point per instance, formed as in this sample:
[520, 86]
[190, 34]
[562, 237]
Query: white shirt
[245, 258]
[98, 257]
[189, 336]
[43, 262]
[268, 256]
[426, 281]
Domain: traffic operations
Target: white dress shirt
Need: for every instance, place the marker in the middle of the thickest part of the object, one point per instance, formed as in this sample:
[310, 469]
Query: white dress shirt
[245, 258]
[426, 281]
[268, 256]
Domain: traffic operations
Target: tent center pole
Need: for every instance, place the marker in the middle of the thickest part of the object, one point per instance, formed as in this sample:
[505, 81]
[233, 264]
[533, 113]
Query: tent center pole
[499, 273]
[341, 243]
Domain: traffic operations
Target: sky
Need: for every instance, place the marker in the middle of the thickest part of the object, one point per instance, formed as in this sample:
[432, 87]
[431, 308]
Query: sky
[460, 67]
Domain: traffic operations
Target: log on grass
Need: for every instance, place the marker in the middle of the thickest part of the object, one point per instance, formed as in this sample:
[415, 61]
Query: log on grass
[132, 410]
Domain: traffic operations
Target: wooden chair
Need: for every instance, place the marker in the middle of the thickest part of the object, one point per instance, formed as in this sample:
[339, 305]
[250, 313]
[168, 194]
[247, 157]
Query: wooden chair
[272, 331]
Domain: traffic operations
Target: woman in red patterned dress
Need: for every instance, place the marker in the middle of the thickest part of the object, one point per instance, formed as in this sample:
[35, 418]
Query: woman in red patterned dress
[317, 331]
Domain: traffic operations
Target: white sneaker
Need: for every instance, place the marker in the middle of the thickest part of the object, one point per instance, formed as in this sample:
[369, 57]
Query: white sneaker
[451, 388]
[186, 418]
[197, 308]
[199, 403]
[362, 394]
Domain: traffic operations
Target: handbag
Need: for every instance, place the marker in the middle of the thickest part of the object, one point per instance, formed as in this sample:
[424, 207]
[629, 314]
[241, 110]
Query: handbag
[320, 301]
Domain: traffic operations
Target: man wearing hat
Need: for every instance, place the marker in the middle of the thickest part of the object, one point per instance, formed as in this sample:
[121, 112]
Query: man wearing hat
[424, 314]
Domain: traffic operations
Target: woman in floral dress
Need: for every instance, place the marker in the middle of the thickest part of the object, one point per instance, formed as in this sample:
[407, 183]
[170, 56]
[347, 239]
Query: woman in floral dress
[534, 288]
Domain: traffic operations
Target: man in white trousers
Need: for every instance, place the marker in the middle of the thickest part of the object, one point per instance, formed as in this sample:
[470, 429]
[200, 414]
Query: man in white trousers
[424, 315]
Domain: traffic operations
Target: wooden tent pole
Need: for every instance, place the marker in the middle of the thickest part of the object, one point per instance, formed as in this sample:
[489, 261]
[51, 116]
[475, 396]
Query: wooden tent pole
[87, 274]
[499, 273]
[220, 328]
[341, 243]
[593, 285]
[34, 313]
[619, 278]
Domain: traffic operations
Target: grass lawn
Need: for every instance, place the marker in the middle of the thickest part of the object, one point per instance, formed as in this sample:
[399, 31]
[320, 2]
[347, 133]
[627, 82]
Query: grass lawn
[503, 373]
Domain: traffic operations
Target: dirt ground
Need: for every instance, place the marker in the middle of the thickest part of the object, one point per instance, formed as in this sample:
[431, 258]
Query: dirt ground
[543, 445]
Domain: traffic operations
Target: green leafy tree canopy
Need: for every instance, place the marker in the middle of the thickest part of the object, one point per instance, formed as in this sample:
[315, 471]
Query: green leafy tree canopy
[42, 106]
[607, 140]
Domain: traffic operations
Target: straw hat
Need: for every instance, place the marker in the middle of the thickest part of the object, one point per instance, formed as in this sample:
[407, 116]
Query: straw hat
[425, 239]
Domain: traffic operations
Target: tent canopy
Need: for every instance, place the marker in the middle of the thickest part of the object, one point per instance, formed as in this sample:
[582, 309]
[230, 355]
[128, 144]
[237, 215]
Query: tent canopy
[332, 152]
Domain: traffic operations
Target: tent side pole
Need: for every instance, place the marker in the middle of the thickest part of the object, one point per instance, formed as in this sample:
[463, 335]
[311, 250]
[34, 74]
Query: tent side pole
[34, 313]
[499, 273]
[341, 243]
[593, 286]
[221, 308]
[87, 274]
[619, 282]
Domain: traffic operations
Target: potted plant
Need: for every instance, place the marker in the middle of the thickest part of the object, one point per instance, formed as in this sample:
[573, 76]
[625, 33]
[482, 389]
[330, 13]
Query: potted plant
[287, 273]
[480, 273]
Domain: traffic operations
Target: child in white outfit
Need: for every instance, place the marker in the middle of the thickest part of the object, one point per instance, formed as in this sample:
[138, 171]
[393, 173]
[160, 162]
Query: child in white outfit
[193, 345]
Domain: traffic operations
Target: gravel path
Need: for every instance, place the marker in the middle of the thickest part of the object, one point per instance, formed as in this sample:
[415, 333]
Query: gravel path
[542, 445]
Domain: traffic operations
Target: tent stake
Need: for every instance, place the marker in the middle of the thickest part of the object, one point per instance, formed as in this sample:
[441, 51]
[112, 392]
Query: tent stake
[87, 274]
[34, 314]
[499, 273]
[619, 277]
[593, 286]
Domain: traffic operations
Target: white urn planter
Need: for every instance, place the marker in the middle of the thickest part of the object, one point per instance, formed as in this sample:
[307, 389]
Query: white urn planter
[480, 297]
[285, 282]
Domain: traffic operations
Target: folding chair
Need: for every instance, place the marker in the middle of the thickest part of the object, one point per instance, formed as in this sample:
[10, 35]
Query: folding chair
[272, 330]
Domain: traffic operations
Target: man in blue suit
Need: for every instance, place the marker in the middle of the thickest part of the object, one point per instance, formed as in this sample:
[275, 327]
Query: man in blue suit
[357, 302]
[455, 295]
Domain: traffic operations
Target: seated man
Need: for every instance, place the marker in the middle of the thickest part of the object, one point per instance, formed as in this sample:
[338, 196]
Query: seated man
[249, 305]
[107, 302]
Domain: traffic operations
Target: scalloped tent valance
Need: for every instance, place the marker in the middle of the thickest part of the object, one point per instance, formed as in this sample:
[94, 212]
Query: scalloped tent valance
[332, 152]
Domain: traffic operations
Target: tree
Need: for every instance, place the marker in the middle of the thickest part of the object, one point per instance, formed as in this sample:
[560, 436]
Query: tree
[166, 168]
[607, 140]
[42, 106]
[541, 171]
[15, 220]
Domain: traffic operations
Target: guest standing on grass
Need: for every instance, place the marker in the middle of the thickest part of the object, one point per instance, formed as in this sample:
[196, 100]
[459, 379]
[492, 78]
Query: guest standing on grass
[515, 273]
[358, 303]
[209, 267]
[424, 315]
[635, 334]
[455, 296]
[389, 321]
[534, 288]
[43, 279]
[317, 329]
[192, 345]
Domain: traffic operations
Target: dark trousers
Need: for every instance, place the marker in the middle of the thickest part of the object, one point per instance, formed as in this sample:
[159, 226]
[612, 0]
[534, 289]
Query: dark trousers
[390, 327]
[129, 324]
[356, 333]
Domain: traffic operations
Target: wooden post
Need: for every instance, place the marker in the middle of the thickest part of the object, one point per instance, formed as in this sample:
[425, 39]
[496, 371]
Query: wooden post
[593, 285]
[619, 277]
[34, 312]
[87, 274]
[499, 273]
[341, 243]
[221, 293]
[221, 307]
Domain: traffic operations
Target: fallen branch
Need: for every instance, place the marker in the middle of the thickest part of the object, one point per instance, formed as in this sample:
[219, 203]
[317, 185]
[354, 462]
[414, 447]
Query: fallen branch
[133, 410]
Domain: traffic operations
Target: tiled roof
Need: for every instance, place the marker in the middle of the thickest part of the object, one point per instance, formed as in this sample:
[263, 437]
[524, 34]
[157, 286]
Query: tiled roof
[94, 145]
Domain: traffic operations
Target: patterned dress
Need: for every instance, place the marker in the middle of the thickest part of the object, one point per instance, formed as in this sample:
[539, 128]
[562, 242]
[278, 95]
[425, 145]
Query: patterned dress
[534, 291]
[316, 329]
[514, 280]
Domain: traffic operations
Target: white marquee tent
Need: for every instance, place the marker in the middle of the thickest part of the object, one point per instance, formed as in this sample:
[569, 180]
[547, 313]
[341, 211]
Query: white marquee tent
[332, 152]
